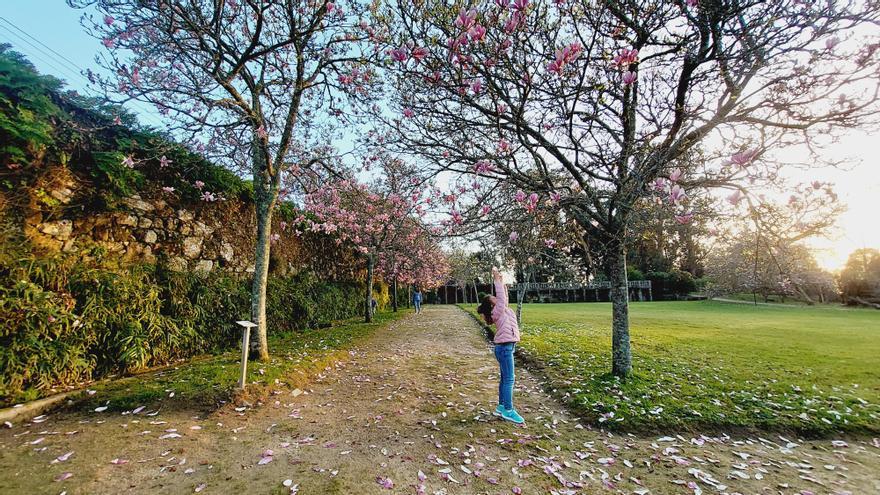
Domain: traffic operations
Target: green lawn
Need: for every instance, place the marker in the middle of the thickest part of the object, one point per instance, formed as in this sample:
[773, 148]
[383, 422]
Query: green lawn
[711, 364]
[206, 382]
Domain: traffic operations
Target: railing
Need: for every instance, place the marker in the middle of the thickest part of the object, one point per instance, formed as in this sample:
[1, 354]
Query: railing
[633, 284]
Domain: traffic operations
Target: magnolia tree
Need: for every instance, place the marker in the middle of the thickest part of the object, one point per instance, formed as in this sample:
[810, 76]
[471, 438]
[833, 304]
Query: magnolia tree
[385, 225]
[422, 264]
[256, 85]
[601, 104]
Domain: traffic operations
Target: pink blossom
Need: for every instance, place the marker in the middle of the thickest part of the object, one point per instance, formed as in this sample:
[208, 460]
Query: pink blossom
[675, 175]
[735, 198]
[550, 243]
[555, 197]
[692, 3]
[743, 158]
[108, 42]
[830, 43]
[164, 162]
[168, 189]
[565, 55]
[513, 23]
[199, 184]
[408, 112]
[555, 67]
[117, 120]
[520, 196]
[477, 32]
[466, 19]
[503, 146]
[676, 194]
[483, 167]
[520, 5]
[108, 19]
[533, 198]
[684, 218]
[419, 53]
[626, 57]
[513, 236]
[659, 184]
[477, 86]
[457, 217]
[261, 132]
[484, 210]
[399, 55]
[128, 161]
[629, 77]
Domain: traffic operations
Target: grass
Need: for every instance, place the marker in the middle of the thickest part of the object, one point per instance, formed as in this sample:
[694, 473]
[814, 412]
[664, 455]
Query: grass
[707, 364]
[209, 381]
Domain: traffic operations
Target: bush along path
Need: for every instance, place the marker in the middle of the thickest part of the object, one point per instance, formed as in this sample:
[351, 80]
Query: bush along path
[407, 410]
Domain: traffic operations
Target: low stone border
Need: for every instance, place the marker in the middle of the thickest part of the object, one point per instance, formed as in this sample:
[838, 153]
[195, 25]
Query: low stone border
[34, 408]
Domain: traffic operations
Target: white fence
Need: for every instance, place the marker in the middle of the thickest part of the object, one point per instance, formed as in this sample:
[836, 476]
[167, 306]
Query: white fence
[633, 284]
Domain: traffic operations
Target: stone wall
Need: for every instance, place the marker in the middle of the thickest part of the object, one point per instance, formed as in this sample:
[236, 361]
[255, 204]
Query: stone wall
[60, 213]
[194, 236]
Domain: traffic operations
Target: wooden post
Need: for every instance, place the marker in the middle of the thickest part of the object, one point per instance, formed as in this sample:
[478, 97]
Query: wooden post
[245, 343]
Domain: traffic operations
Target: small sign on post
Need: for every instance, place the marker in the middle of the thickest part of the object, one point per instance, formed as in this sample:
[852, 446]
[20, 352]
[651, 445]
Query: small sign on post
[245, 344]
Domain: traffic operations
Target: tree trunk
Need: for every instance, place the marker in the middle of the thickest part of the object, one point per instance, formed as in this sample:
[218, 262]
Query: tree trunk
[265, 196]
[408, 295]
[621, 357]
[394, 289]
[520, 294]
[368, 301]
[476, 292]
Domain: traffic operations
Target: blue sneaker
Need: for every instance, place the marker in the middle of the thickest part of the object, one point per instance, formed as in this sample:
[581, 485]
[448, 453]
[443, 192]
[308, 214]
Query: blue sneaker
[499, 410]
[512, 416]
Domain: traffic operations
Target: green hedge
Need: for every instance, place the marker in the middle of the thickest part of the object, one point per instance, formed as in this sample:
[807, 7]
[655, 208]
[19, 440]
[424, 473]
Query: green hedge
[63, 321]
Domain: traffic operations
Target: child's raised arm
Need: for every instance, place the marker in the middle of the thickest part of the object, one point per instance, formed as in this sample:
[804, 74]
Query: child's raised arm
[500, 289]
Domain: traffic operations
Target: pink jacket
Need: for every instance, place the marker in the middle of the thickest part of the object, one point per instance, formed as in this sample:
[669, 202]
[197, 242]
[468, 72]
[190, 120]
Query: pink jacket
[506, 328]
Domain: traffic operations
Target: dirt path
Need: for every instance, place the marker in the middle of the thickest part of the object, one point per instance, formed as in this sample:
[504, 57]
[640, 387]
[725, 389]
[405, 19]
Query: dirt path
[415, 397]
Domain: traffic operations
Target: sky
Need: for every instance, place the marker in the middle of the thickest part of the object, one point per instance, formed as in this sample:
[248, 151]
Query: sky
[68, 49]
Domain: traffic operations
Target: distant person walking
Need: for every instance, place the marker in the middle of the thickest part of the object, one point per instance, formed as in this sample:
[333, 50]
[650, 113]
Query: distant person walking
[496, 310]
[374, 304]
[417, 301]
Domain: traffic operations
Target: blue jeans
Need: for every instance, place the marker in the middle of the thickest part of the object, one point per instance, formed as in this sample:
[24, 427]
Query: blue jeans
[504, 355]
[418, 305]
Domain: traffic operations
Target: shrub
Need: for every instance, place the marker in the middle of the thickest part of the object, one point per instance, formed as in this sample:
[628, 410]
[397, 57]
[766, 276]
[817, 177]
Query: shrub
[634, 274]
[64, 321]
[673, 283]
